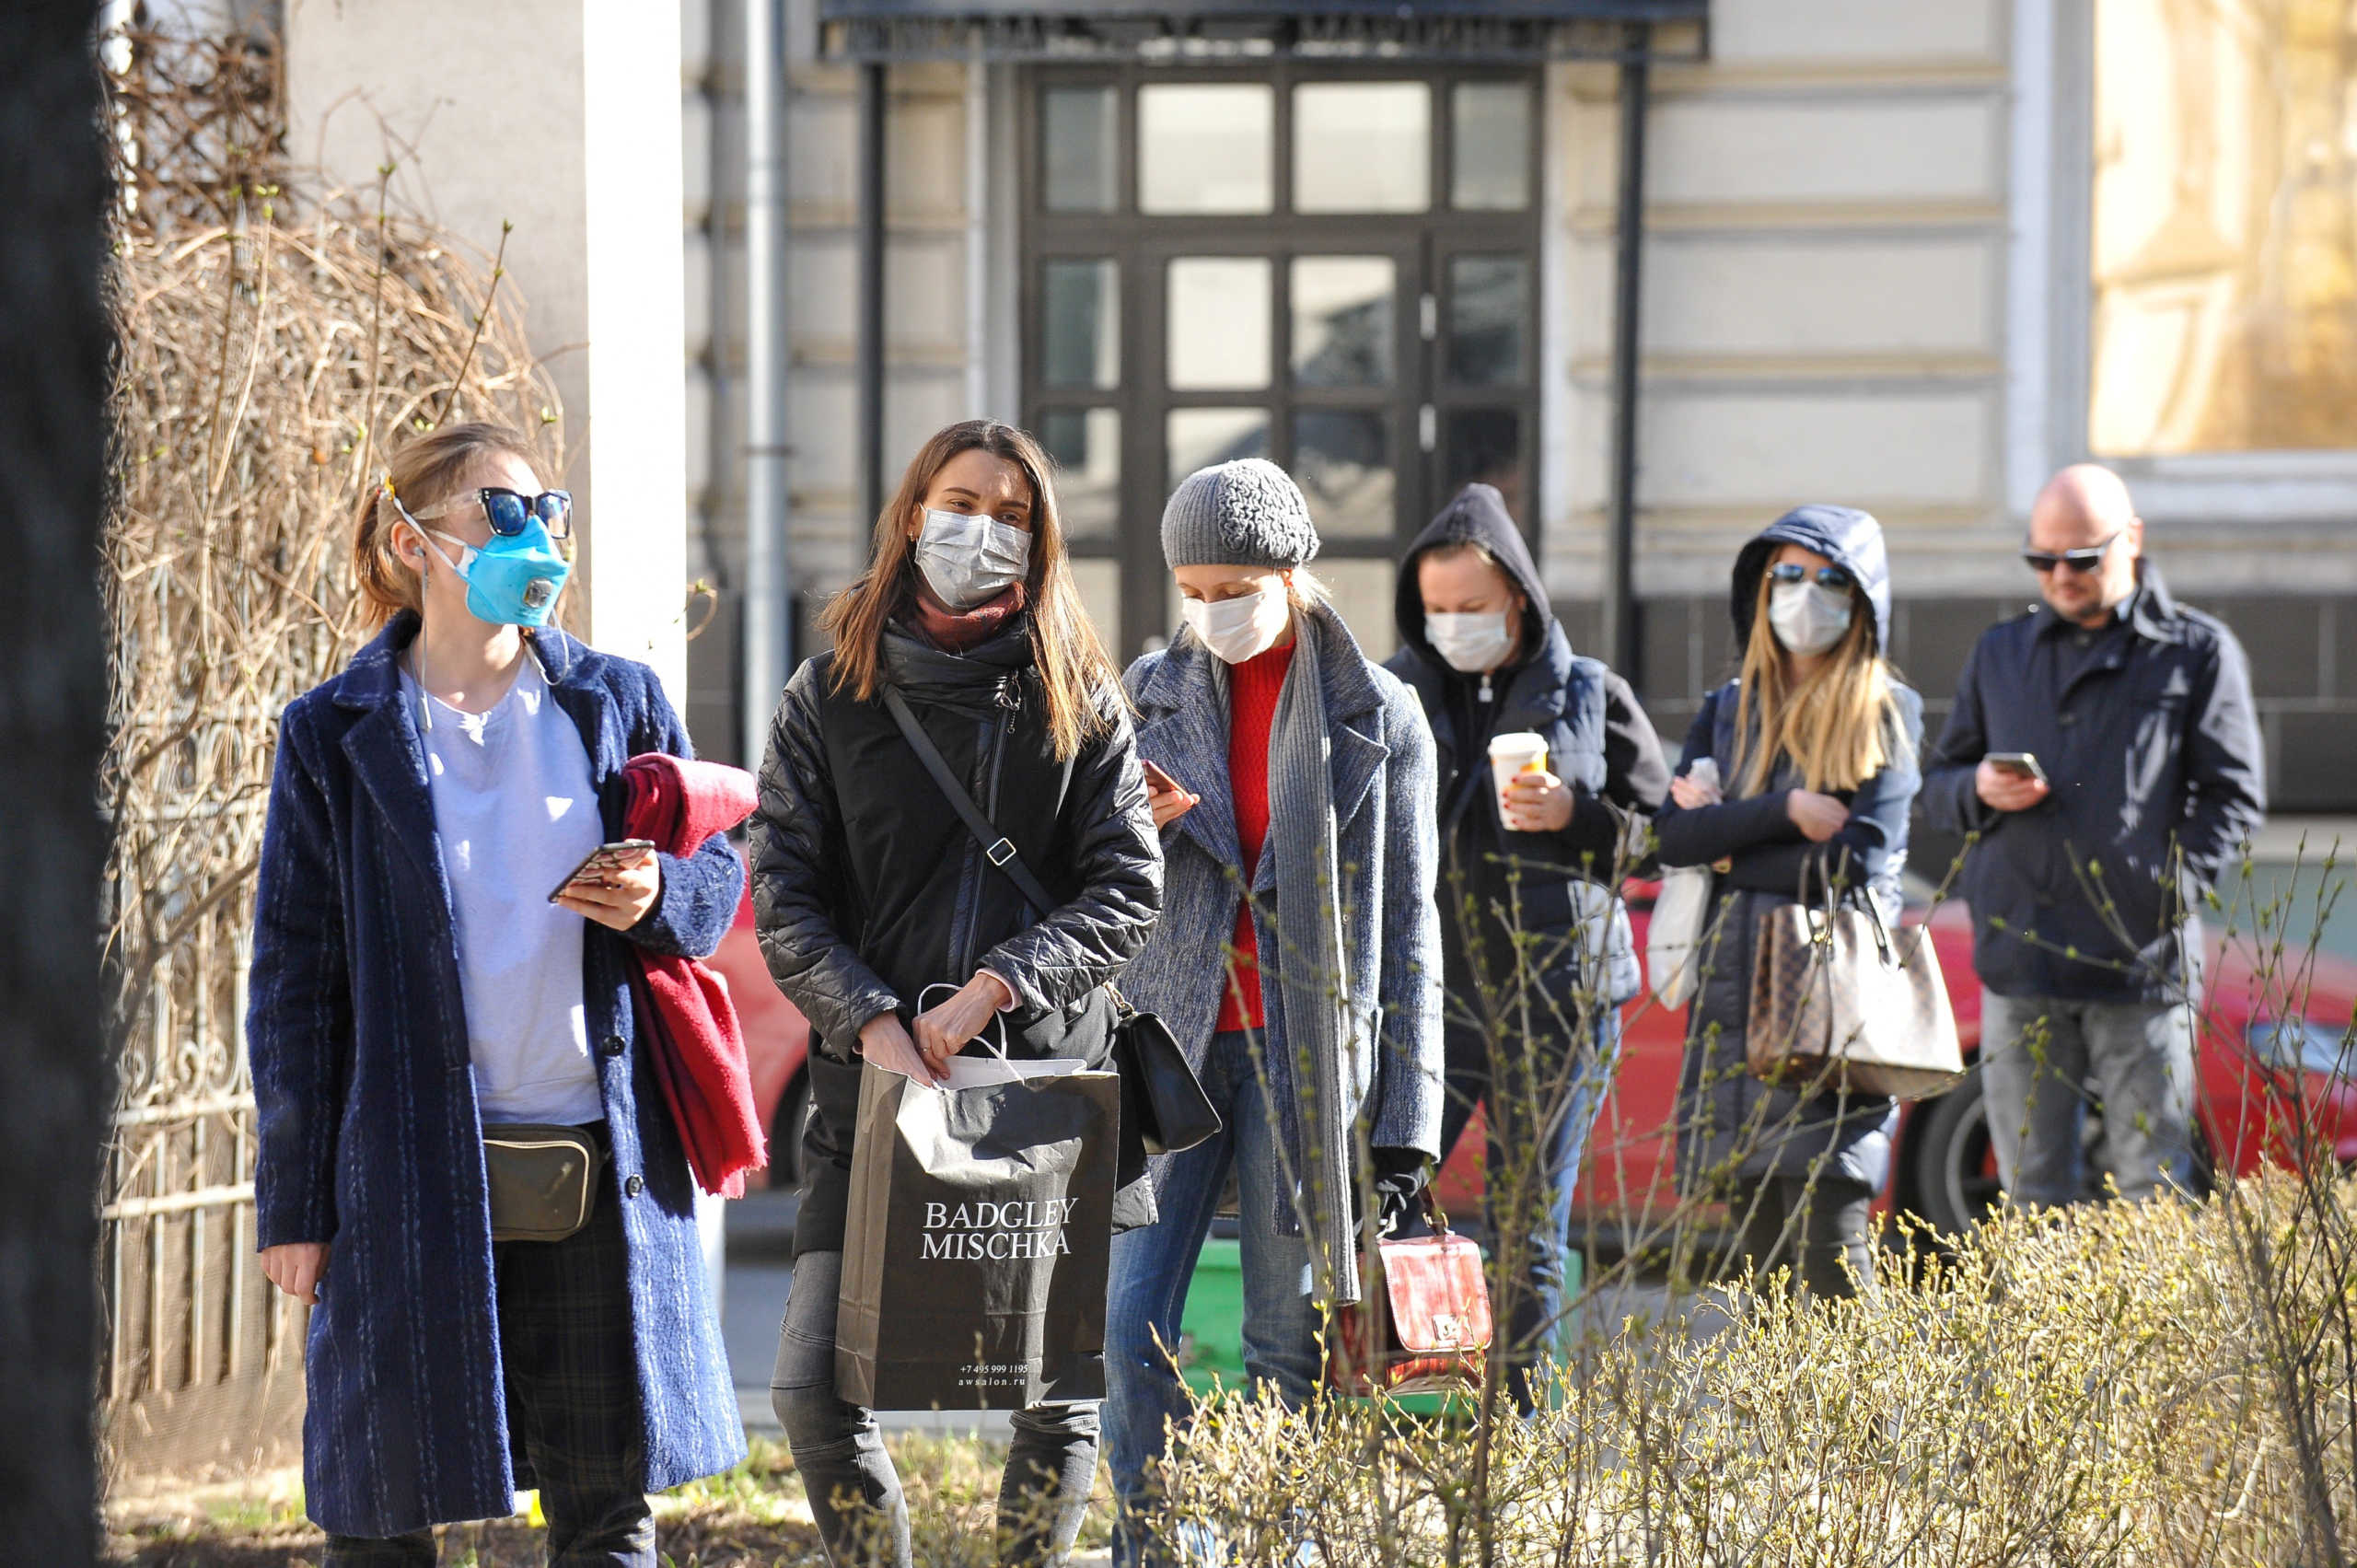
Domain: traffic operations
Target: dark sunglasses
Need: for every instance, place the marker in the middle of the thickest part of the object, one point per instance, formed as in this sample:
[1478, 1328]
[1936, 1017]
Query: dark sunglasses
[508, 511]
[2087, 560]
[1793, 572]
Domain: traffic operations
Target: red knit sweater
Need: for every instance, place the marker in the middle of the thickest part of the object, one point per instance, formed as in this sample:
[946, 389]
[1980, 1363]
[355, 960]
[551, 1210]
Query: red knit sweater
[1252, 691]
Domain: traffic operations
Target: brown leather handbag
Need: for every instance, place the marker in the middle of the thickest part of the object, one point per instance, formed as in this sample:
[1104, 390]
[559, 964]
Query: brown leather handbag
[1427, 1330]
[1840, 1001]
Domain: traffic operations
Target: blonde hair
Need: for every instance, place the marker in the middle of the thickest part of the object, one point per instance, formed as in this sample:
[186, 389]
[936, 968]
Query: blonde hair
[425, 470]
[1837, 725]
[1073, 664]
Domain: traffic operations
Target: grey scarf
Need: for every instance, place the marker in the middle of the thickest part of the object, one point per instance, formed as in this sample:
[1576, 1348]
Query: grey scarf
[1312, 964]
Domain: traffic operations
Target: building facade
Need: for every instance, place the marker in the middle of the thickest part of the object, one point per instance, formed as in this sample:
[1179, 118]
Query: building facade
[1911, 255]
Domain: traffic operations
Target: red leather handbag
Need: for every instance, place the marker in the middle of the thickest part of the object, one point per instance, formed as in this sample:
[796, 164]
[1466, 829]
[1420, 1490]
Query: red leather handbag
[1427, 1330]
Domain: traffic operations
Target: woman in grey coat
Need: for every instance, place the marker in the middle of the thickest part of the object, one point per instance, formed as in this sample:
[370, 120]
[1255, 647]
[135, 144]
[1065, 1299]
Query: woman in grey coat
[1278, 760]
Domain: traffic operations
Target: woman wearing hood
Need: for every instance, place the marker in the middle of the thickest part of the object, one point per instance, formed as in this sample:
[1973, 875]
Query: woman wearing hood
[1297, 959]
[869, 895]
[1533, 1028]
[1816, 741]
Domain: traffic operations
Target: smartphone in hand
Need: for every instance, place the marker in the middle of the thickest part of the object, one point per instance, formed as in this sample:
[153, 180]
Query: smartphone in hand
[1157, 779]
[599, 861]
[2021, 764]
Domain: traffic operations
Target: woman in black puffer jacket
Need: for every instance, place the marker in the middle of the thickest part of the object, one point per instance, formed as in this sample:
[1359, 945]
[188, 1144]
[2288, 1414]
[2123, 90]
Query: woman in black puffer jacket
[868, 889]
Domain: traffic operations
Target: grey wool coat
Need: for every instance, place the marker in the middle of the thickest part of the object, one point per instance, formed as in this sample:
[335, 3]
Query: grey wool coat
[1383, 784]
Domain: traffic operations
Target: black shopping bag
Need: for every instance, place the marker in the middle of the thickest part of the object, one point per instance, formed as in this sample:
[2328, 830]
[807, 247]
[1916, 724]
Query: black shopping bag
[978, 1243]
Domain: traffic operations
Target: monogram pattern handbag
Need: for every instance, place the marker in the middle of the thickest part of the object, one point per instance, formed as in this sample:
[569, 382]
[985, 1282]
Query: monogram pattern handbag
[1839, 1000]
[1428, 1331]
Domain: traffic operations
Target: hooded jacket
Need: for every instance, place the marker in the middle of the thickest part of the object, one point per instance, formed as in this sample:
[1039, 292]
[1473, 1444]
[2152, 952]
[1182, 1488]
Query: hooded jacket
[1729, 1124]
[2152, 745]
[1598, 740]
[867, 888]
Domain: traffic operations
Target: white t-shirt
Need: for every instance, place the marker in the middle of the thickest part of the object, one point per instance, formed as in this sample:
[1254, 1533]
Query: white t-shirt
[516, 808]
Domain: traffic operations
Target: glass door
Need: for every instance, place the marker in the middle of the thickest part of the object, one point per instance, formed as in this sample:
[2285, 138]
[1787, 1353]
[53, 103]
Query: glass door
[1333, 270]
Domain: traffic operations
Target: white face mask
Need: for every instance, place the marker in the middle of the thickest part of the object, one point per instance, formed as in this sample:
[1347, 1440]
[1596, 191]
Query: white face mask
[1237, 629]
[968, 559]
[1808, 618]
[1471, 643]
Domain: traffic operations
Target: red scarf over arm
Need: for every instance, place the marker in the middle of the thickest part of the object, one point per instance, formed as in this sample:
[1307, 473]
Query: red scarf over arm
[689, 1025]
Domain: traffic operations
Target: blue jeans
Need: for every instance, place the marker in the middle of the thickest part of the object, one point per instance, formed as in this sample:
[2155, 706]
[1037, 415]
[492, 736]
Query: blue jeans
[1523, 1089]
[1153, 1266]
[2038, 1055]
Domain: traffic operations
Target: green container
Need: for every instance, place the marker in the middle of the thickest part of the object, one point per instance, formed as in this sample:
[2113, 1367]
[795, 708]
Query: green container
[1212, 1327]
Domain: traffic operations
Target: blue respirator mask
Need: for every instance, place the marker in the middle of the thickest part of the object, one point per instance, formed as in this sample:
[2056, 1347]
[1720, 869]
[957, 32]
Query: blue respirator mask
[514, 579]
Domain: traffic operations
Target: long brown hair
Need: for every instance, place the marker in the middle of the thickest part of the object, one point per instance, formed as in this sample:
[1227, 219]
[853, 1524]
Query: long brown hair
[427, 470]
[1073, 664]
[1837, 724]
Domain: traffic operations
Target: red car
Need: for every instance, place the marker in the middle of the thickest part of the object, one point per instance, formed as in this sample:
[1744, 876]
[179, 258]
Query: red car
[1943, 1167]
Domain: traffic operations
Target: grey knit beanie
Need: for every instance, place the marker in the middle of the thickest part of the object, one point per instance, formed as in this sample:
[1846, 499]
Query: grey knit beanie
[1246, 513]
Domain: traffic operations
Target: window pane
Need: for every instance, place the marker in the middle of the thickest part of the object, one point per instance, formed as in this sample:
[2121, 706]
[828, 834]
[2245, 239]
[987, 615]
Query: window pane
[1206, 148]
[1488, 319]
[1201, 437]
[1080, 149]
[1099, 582]
[2224, 256]
[1485, 444]
[1343, 322]
[1490, 155]
[1341, 459]
[1361, 147]
[1366, 594]
[1080, 332]
[1087, 446]
[1219, 321]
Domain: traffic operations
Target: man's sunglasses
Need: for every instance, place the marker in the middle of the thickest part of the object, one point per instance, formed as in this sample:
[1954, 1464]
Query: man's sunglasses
[509, 510]
[2087, 560]
[1793, 572]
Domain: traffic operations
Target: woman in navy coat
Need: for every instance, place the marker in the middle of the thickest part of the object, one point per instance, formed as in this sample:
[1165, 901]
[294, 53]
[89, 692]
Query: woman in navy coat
[413, 981]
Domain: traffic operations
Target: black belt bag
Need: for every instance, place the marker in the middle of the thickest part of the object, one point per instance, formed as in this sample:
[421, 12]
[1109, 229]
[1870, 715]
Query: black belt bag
[1161, 1096]
[543, 1179]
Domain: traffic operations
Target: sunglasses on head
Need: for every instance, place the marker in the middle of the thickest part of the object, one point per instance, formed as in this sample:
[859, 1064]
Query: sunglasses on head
[1793, 572]
[2086, 560]
[509, 510]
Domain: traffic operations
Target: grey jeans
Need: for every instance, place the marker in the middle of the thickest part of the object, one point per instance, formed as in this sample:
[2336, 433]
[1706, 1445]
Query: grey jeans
[855, 1493]
[2039, 1058]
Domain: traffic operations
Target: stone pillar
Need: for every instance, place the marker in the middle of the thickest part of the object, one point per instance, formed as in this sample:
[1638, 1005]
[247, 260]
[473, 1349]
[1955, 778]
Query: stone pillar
[563, 118]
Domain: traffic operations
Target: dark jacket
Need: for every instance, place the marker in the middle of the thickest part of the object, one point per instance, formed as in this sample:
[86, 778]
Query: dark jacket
[867, 888]
[1729, 1123]
[2151, 745]
[369, 1134]
[1598, 740]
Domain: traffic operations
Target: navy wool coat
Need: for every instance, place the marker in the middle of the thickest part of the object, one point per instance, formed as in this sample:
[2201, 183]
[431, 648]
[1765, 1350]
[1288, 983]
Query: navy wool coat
[369, 1136]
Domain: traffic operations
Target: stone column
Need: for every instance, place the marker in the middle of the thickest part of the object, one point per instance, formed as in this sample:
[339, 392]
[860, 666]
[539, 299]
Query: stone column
[563, 118]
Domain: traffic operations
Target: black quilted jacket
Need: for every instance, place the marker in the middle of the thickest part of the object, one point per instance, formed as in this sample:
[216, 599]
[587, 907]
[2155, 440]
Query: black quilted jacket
[867, 888]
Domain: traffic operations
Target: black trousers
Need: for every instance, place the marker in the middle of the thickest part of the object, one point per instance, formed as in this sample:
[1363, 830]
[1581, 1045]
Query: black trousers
[573, 1414]
[1816, 1226]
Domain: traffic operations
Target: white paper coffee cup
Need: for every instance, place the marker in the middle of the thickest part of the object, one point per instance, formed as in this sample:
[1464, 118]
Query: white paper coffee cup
[1516, 752]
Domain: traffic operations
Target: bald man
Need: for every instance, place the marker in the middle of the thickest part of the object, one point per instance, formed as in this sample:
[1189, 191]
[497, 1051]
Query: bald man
[2105, 749]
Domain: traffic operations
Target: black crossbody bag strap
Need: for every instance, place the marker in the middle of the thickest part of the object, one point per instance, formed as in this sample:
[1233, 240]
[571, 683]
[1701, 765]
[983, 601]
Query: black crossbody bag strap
[997, 848]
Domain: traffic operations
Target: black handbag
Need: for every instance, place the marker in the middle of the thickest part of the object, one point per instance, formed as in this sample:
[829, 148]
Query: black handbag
[1161, 1096]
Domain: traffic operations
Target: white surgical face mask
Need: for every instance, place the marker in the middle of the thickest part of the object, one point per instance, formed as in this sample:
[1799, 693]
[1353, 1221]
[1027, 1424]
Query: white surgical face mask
[1471, 643]
[968, 559]
[1237, 629]
[1808, 618]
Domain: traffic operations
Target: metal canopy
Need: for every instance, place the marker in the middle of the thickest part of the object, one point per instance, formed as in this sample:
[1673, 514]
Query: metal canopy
[1215, 30]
